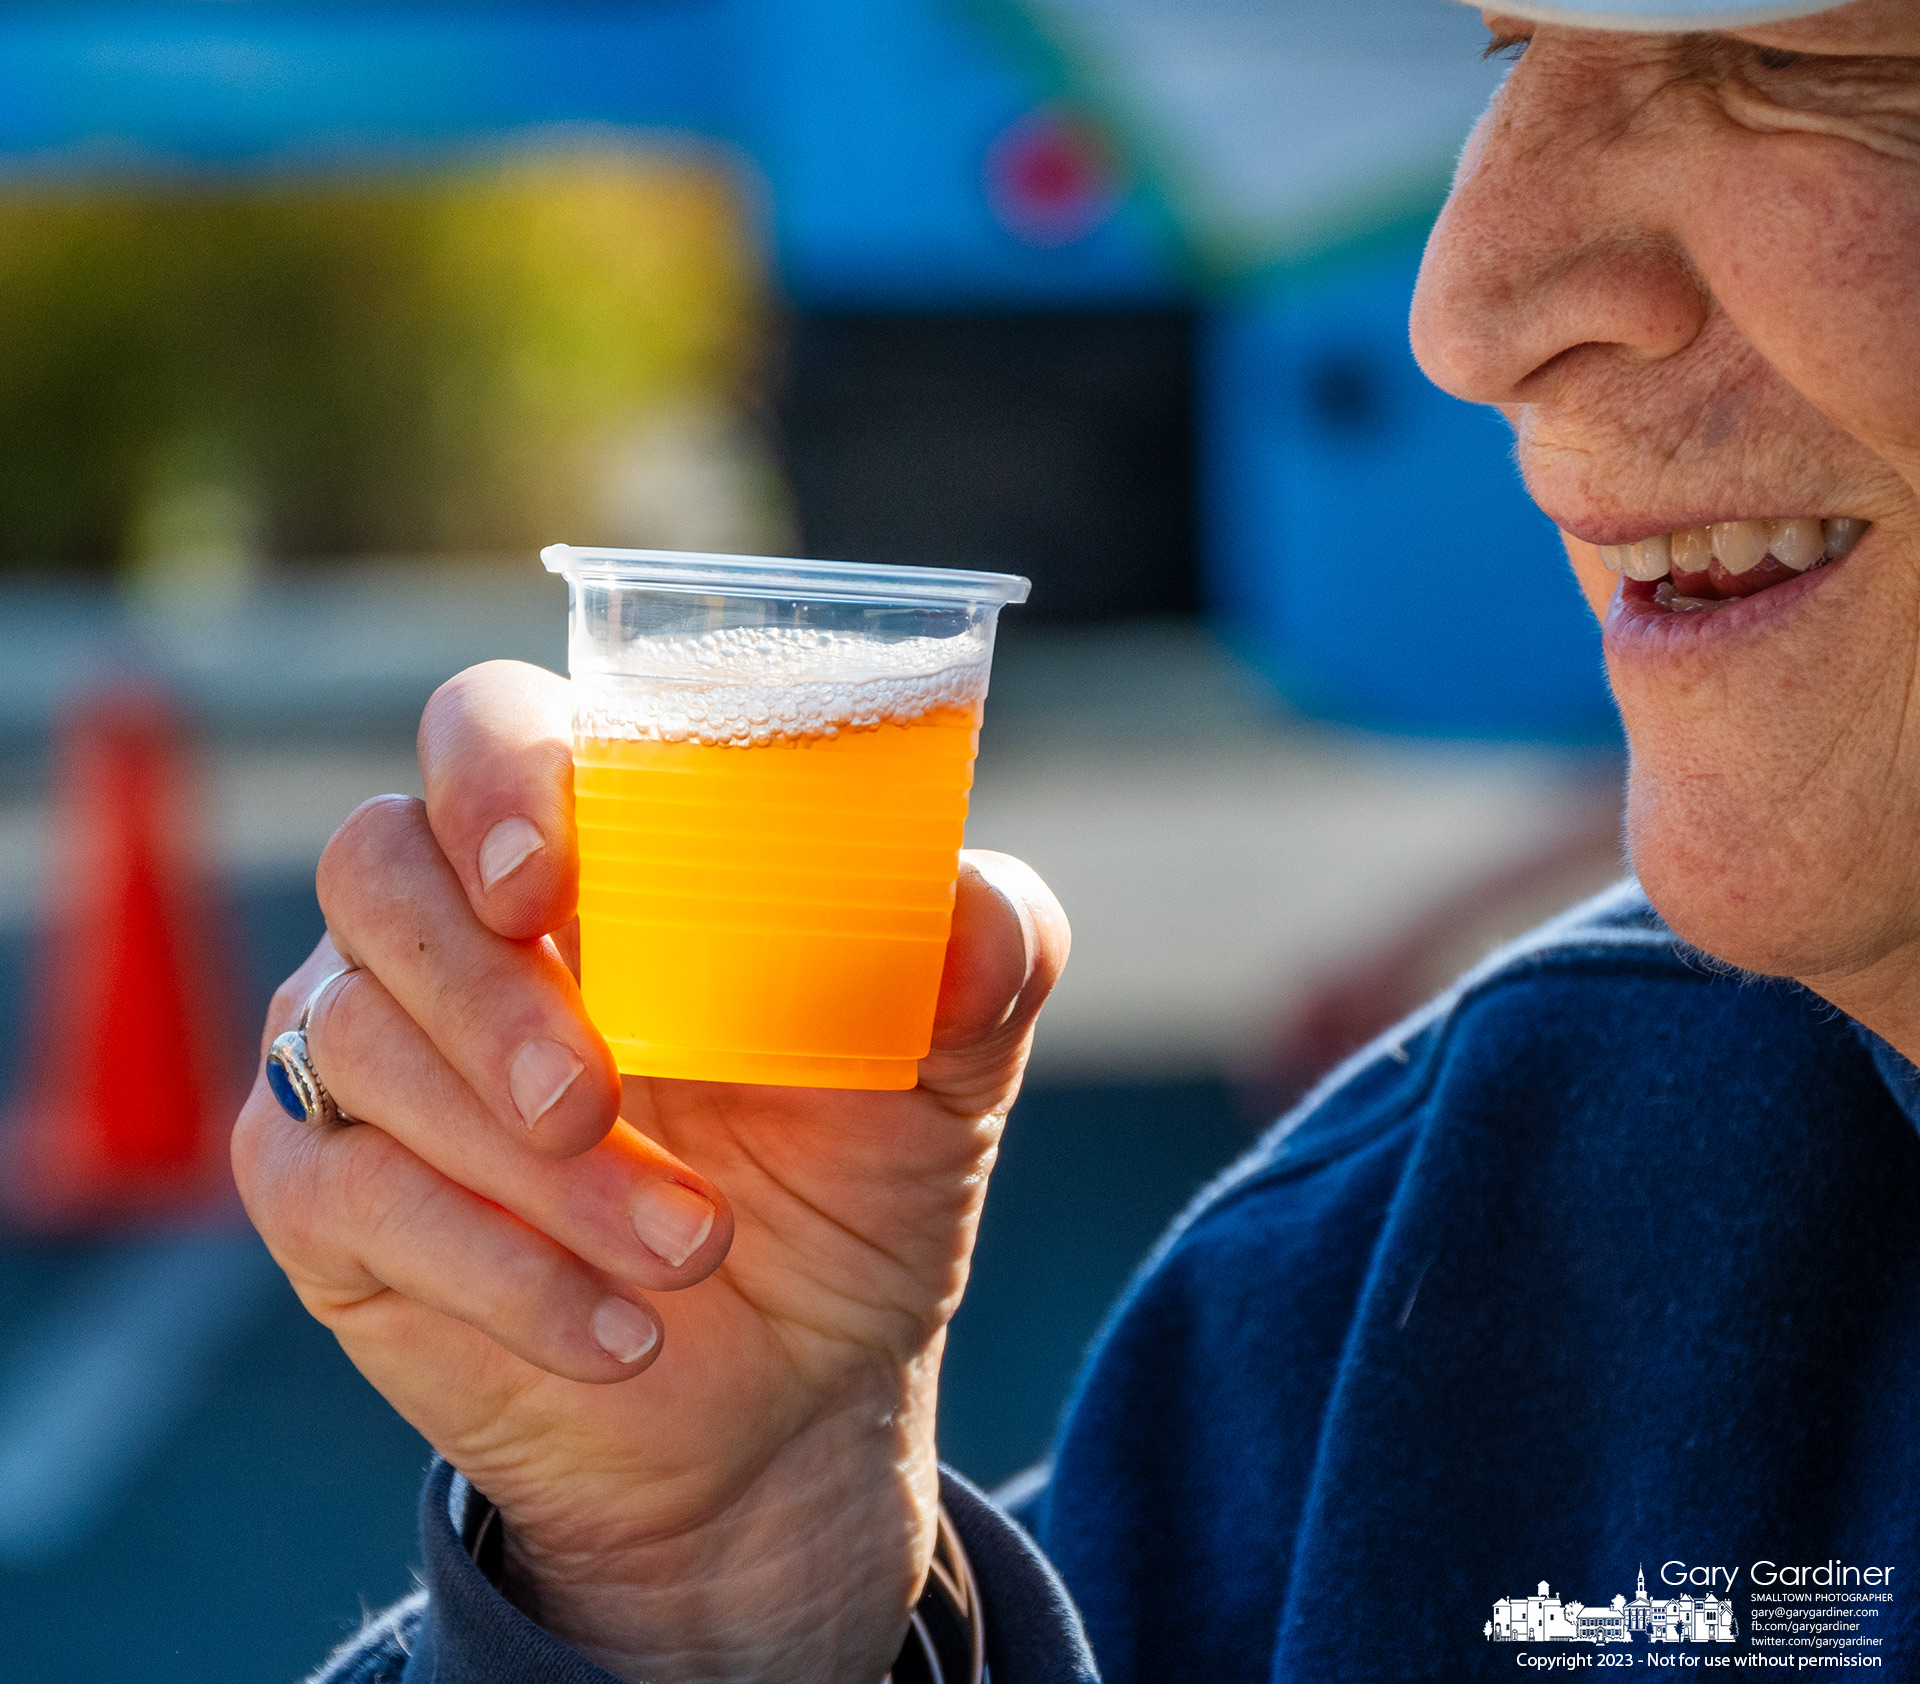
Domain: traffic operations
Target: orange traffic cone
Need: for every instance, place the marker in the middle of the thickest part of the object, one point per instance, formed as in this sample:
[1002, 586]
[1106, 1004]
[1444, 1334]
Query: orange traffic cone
[136, 1064]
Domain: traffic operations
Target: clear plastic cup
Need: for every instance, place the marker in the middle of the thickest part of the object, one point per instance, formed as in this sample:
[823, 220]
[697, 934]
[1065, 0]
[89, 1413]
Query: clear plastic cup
[771, 767]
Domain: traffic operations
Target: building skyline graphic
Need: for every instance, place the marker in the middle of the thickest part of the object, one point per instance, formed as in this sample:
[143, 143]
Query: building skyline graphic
[1547, 1618]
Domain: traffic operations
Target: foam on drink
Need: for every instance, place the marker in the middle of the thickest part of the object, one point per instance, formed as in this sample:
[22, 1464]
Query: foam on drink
[745, 687]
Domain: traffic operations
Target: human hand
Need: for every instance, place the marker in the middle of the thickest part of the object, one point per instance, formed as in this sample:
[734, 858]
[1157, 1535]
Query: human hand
[733, 1481]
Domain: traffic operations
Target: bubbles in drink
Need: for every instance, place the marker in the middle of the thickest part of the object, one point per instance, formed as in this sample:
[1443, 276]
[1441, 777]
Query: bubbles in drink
[747, 687]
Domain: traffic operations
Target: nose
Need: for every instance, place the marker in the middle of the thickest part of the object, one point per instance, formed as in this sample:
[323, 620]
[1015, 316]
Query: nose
[1556, 247]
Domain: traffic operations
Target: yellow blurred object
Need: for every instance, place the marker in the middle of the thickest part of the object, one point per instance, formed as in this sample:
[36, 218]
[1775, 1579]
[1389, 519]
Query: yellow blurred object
[476, 360]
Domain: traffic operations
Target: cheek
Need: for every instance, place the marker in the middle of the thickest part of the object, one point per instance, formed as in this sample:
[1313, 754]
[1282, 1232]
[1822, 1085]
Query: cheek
[1772, 790]
[1812, 246]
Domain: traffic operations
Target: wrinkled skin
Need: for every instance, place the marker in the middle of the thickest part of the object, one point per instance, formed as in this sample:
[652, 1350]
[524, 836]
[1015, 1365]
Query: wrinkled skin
[754, 1496]
[1687, 268]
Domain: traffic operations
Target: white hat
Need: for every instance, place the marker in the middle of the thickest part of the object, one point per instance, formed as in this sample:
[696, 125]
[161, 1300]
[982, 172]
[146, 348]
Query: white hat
[1651, 15]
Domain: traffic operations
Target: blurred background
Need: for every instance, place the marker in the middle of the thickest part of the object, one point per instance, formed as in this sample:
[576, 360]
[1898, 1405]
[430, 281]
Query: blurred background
[317, 320]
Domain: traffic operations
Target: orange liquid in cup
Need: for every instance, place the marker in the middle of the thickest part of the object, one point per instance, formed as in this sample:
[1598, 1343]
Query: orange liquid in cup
[777, 912]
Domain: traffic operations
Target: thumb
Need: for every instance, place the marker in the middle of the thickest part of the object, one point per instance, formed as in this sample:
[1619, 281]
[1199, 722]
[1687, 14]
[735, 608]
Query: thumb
[1009, 944]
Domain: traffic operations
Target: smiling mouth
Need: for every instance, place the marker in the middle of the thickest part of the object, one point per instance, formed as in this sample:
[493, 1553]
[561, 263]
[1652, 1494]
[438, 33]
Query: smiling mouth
[1700, 568]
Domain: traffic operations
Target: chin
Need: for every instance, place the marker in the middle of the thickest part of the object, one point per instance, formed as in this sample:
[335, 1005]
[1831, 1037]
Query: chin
[1757, 886]
[1773, 801]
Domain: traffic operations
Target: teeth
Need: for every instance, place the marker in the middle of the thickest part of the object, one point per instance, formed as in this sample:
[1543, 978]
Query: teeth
[1740, 545]
[1842, 535]
[1692, 549]
[1648, 559]
[1798, 543]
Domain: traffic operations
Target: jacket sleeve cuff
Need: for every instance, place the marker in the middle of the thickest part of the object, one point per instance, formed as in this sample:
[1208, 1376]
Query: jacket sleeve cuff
[463, 1631]
[468, 1632]
[1034, 1634]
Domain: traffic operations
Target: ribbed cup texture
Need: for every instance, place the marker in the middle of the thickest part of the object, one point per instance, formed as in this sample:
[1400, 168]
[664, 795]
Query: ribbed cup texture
[772, 914]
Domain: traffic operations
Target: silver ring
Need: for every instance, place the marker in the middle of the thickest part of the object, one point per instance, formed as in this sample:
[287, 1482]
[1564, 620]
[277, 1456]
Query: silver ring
[290, 1072]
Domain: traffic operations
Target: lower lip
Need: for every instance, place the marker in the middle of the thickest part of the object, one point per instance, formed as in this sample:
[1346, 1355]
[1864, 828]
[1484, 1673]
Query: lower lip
[1637, 627]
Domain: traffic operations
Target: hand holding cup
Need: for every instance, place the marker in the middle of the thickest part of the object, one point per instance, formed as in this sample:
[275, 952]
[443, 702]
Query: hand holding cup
[511, 1229]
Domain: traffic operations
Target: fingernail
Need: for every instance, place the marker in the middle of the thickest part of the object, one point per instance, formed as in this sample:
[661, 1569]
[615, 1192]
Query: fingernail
[506, 848]
[672, 1221]
[542, 1071]
[623, 1332]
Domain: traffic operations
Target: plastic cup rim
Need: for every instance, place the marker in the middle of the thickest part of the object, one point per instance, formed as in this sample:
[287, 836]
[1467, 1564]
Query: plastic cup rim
[699, 572]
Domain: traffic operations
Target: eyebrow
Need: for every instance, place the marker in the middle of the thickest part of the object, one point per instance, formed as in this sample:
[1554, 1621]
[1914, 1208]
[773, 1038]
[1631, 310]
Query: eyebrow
[1709, 51]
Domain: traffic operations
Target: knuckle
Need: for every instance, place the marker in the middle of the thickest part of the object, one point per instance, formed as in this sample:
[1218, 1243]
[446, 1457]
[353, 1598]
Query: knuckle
[292, 1225]
[379, 1200]
[500, 721]
[347, 1190]
[360, 1184]
[479, 697]
[446, 708]
[379, 834]
[247, 1143]
[270, 1167]
[454, 695]
[283, 1010]
[285, 1002]
[523, 1281]
[486, 1002]
[289, 1177]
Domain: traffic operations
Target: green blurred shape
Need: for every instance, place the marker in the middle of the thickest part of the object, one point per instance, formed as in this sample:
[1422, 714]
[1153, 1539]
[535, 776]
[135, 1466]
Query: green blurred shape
[199, 376]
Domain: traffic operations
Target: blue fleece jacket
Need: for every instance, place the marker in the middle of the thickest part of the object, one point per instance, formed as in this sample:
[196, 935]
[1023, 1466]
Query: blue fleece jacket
[1606, 1263]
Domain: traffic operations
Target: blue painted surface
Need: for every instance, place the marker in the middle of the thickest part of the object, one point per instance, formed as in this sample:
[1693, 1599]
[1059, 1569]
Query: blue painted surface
[873, 120]
[1369, 542]
[867, 121]
[240, 83]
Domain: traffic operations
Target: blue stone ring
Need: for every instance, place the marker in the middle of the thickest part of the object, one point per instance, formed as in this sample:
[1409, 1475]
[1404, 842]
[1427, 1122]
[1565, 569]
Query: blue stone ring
[290, 1072]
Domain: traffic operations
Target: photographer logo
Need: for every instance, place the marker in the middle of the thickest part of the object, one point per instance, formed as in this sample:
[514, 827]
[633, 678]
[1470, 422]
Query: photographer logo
[1546, 1618]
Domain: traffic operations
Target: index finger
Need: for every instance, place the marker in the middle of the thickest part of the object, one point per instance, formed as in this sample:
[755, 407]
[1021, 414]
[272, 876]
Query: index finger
[496, 757]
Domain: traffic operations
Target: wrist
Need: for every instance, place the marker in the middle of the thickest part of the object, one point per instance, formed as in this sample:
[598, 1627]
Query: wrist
[808, 1576]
